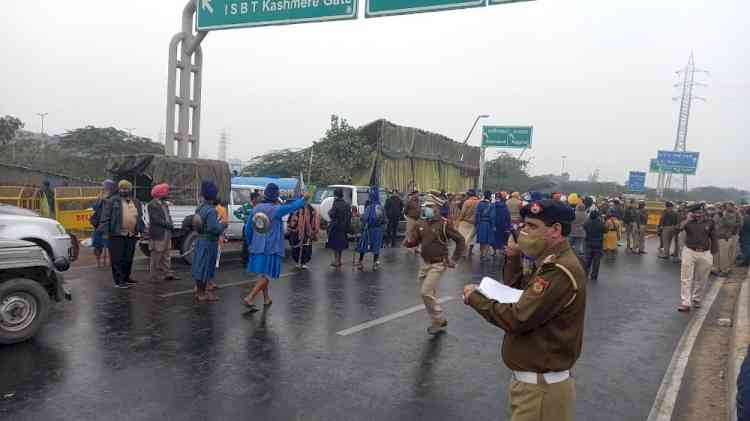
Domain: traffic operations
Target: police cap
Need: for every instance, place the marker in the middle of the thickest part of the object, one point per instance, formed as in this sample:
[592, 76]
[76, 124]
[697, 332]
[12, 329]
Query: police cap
[549, 211]
[696, 207]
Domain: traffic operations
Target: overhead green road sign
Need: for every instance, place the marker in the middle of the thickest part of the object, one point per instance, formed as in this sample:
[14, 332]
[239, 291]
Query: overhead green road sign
[225, 14]
[493, 2]
[653, 166]
[376, 8]
[507, 136]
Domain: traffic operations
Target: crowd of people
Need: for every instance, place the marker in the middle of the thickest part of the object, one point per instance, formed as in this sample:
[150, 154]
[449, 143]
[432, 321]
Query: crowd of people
[550, 247]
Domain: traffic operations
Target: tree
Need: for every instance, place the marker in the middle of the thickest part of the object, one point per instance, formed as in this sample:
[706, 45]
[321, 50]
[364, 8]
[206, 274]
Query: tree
[336, 156]
[98, 143]
[280, 163]
[506, 172]
[341, 152]
[9, 125]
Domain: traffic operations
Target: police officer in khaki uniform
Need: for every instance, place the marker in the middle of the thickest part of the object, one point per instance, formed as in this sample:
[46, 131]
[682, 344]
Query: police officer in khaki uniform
[432, 234]
[544, 329]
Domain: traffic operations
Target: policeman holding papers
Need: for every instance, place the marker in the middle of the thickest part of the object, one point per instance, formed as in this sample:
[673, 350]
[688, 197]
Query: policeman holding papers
[544, 328]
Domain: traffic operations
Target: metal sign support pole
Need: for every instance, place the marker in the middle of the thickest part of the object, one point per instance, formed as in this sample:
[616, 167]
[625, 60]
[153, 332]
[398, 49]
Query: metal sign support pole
[481, 170]
[190, 65]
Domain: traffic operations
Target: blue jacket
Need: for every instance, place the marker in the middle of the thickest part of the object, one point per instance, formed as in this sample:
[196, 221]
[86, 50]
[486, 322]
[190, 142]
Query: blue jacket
[500, 216]
[212, 227]
[247, 230]
[272, 242]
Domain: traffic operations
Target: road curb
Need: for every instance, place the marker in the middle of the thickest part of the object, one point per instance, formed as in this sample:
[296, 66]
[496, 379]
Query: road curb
[738, 346]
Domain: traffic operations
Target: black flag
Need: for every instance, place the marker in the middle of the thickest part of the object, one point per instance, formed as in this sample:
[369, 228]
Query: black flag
[375, 176]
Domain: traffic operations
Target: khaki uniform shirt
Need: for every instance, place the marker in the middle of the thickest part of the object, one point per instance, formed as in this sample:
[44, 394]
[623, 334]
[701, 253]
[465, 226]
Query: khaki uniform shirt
[468, 210]
[433, 236]
[412, 208]
[544, 329]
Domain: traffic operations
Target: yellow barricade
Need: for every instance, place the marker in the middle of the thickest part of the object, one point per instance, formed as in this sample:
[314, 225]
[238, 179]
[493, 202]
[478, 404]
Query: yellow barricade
[27, 197]
[654, 209]
[73, 206]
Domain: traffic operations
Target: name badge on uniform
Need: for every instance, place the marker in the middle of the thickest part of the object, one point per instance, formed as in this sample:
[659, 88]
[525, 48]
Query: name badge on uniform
[539, 285]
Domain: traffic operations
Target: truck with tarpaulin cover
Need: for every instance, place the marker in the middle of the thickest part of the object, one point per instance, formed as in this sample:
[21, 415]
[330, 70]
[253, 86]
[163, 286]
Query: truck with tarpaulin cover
[184, 177]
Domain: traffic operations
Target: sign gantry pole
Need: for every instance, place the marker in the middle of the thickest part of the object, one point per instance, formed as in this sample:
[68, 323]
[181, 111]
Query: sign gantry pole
[188, 98]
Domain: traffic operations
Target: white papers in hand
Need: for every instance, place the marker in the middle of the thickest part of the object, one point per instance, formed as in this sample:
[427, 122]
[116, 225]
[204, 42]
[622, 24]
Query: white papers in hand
[494, 290]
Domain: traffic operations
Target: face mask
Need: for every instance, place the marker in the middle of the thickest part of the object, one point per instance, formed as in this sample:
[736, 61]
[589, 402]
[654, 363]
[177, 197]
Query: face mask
[427, 212]
[124, 193]
[531, 245]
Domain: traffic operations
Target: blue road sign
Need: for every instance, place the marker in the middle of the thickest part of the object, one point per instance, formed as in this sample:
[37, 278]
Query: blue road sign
[637, 182]
[678, 162]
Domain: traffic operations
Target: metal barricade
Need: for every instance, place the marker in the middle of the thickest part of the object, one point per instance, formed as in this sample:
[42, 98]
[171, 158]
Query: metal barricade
[74, 207]
[27, 197]
[654, 209]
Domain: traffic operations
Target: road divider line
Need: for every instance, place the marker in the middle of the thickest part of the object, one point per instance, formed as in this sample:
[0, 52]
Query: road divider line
[666, 397]
[228, 284]
[388, 318]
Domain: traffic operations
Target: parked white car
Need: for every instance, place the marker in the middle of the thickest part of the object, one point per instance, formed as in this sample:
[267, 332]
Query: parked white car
[22, 224]
[356, 196]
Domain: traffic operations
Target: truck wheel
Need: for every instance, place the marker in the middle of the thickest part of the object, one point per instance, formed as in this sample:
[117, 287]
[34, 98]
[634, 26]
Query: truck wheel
[24, 308]
[188, 247]
[144, 248]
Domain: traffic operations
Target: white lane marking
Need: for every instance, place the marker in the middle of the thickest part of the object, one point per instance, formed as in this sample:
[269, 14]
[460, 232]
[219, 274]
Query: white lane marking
[228, 284]
[388, 318]
[670, 385]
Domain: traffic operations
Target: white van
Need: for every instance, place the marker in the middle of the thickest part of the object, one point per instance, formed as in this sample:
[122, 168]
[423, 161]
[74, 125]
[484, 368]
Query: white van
[356, 196]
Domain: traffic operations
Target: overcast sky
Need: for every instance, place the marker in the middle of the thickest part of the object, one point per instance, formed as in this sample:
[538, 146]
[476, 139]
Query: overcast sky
[595, 78]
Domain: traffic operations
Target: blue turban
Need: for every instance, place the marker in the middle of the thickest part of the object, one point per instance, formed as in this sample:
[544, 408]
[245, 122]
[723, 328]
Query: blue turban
[108, 185]
[271, 192]
[209, 190]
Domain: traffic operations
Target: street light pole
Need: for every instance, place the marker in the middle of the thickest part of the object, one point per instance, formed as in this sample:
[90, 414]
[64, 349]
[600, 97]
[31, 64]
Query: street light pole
[41, 116]
[481, 153]
[562, 170]
[473, 126]
[309, 169]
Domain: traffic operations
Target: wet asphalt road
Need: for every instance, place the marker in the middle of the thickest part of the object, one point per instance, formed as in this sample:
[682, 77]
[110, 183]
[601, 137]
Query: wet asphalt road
[143, 354]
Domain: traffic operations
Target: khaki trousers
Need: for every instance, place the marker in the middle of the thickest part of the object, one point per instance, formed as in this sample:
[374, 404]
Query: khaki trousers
[159, 264]
[641, 233]
[634, 236]
[468, 231]
[669, 236]
[429, 275]
[724, 262]
[694, 272]
[542, 402]
[680, 243]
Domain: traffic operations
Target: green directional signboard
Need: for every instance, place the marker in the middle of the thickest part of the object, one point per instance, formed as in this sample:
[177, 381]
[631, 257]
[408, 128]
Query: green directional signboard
[491, 2]
[654, 166]
[507, 136]
[376, 8]
[225, 14]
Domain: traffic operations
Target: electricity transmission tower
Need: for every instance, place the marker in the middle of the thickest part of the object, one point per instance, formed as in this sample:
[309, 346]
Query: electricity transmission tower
[686, 101]
[223, 141]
